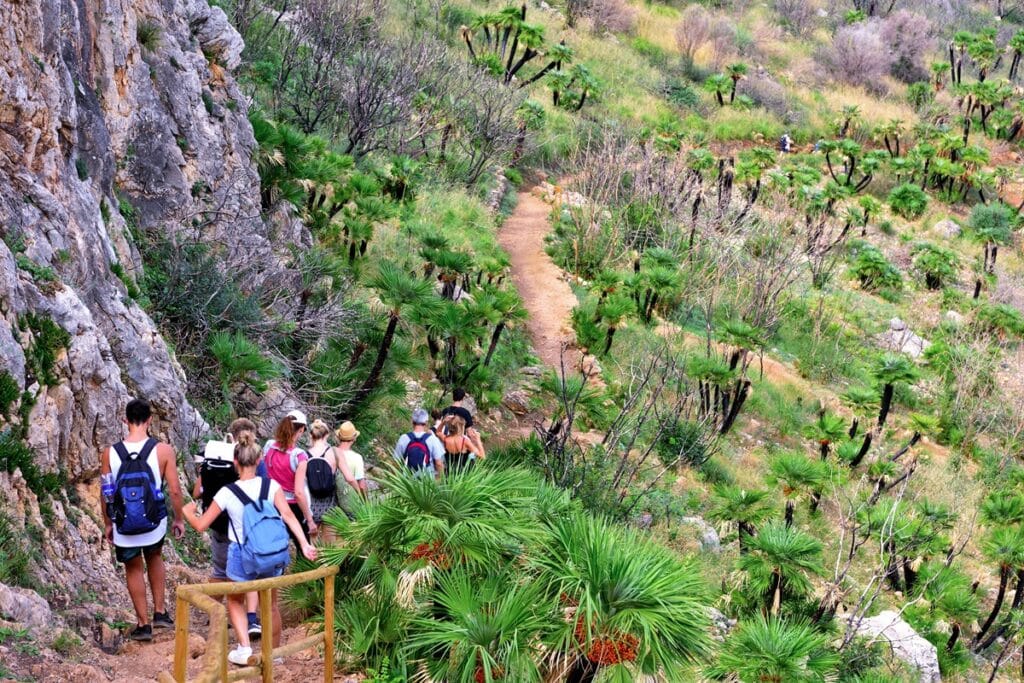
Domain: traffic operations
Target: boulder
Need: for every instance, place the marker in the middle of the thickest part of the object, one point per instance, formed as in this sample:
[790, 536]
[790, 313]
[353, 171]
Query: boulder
[720, 624]
[953, 318]
[907, 645]
[900, 338]
[947, 228]
[709, 541]
[24, 606]
[516, 401]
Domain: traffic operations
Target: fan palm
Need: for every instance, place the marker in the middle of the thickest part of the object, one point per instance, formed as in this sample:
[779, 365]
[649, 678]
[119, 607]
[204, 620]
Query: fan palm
[798, 476]
[735, 505]
[827, 429]
[1005, 547]
[992, 225]
[483, 628]
[638, 607]
[779, 562]
[889, 371]
[613, 312]
[768, 650]
[398, 291]
[736, 72]
[718, 85]
[949, 591]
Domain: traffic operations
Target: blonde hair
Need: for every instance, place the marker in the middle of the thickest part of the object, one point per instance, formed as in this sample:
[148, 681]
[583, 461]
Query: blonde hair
[247, 453]
[242, 424]
[319, 429]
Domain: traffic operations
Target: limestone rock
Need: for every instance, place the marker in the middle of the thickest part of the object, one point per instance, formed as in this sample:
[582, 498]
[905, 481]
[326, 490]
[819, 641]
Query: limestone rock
[720, 624]
[517, 401]
[900, 338]
[953, 318]
[947, 228]
[709, 541]
[24, 606]
[907, 645]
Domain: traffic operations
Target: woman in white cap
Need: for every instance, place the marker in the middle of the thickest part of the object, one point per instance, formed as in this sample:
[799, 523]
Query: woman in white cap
[286, 464]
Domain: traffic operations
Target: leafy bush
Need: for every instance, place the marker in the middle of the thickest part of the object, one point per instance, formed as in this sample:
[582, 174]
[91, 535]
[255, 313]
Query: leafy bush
[920, 94]
[1000, 319]
[908, 201]
[241, 362]
[48, 338]
[148, 32]
[9, 392]
[874, 271]
[683, 442]
[16, 455]
[938, 266]
[16, 558]
[681, 94]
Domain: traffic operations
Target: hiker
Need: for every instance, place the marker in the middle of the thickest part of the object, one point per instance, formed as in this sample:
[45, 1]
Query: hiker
[322, 471]
[217, 470]
[346, 435]
[456, 408]
[132, 475]
[420, 450]
[259, 517]
[460, 451]
[286, 464]
[785, 143]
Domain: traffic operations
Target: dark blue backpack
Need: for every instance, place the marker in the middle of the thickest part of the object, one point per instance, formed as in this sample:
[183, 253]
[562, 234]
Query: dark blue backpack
[139, 505]
[265, 550]
[417, 452]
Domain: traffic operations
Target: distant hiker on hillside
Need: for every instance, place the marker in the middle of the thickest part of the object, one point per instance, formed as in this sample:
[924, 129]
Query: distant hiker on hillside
[286, 464]
[259, 519]
[420, 450]
[132, 475]
[460, 451]
[323, 472]
[346, 435]
[457, 408]
[217, 470]
[785, 144]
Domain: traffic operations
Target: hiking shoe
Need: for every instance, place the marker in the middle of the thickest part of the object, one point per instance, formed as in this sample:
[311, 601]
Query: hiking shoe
[240, 655]
[162, 620]
[142, 633]
[255, 630]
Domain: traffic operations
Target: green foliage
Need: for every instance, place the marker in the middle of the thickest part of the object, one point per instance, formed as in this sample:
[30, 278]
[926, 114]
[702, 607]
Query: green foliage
[772, 649]
[779, 562]
[874, 271]
[67, 643]
[992, 223]
[936, 265]
[47, 340]
[82, 169]
[148, 33]
[16, 455]
[683, 442]
[17, 558]
[207, 98]
[681, 94]
[9, 393]
[129, 284]
[920, 94]
[241, 362]
[1001, 320]
[908, 201]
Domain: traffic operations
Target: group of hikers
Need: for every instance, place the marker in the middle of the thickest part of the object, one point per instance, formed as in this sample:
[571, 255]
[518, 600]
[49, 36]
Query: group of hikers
[255, 501]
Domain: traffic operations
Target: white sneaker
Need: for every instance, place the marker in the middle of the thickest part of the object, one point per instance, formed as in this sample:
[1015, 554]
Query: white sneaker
[240, 655]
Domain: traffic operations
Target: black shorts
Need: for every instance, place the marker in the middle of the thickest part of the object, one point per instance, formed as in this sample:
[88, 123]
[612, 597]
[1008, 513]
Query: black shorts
[126, 555]
[297, 511]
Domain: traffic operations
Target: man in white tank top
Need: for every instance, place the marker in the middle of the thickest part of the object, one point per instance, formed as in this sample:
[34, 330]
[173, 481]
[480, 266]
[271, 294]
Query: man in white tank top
[141, 552]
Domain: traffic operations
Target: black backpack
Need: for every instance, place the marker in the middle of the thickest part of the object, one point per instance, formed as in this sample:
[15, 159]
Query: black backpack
[213, 476]
[319, 477]
[138, 505]
[417, 452]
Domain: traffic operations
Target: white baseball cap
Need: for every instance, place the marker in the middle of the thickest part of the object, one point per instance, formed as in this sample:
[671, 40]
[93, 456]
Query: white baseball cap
[298, 417]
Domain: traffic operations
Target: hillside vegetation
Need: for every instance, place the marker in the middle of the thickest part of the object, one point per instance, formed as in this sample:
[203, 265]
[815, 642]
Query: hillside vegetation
[816, 353]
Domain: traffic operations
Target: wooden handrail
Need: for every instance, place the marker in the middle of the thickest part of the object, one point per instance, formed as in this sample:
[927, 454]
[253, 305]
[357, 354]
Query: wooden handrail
[215, 661]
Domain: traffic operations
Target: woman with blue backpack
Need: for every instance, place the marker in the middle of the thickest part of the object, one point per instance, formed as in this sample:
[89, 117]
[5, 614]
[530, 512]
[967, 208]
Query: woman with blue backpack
[259, 519]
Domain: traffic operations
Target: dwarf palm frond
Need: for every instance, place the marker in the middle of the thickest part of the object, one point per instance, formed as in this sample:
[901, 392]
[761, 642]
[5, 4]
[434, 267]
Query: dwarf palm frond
[769, 649]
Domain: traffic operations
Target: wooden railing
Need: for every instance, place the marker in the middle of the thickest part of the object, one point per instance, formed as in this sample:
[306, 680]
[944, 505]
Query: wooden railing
[215, 661]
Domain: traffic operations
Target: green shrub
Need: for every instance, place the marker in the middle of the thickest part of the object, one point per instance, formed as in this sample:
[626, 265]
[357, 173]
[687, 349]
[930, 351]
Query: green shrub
[207, 97]
[1000, 319]
[654, 53]
[938, 266]
[82, 169]
[67, 643]
[118, 270]
[908, 201]
[17, 556]
[16, 455]
[683, 442]
[681, 94]
[48, 338]
[9, 392]
[874, 271]
[514, 176]
[920, 94]
[148, 32]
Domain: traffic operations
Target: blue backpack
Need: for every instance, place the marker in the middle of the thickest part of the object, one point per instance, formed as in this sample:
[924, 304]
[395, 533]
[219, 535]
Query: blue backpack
[417, 452]
[138, 504]
[265, 550]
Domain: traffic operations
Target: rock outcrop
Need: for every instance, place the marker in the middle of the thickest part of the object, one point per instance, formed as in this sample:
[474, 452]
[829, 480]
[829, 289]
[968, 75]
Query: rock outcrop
[906, 643]
[115, 117]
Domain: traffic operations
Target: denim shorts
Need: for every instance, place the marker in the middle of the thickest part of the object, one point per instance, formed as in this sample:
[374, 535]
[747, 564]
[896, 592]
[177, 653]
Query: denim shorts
[219, 554]
[235, 571]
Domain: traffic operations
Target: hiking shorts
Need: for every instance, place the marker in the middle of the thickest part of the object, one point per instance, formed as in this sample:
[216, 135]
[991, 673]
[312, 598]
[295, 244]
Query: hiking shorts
[126, 555]
[219, 554]
[235, 571]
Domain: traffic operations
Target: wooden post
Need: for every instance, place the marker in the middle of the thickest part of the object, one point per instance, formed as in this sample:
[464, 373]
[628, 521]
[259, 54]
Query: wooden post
[222, 638]
[181, 614]
[267, 637]
[329, 628]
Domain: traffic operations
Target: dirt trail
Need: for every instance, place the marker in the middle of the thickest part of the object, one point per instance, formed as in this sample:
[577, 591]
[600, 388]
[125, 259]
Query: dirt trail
[546, 295]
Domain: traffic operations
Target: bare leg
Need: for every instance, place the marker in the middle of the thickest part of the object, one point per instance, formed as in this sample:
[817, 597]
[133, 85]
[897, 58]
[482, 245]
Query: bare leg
[252, 602]
[236, 614]
[157, 580]
[133, 570]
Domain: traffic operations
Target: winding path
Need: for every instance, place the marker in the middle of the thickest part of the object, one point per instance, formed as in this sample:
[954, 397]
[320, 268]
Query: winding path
[541, 284]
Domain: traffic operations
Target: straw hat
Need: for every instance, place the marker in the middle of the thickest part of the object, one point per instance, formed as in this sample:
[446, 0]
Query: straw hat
[347, 432]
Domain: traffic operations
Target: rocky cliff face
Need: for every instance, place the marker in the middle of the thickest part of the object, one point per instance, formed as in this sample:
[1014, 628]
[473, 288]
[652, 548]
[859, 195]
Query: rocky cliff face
[106, 104]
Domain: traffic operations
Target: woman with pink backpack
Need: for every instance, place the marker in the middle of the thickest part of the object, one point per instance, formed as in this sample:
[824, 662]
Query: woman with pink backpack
[286, 464]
